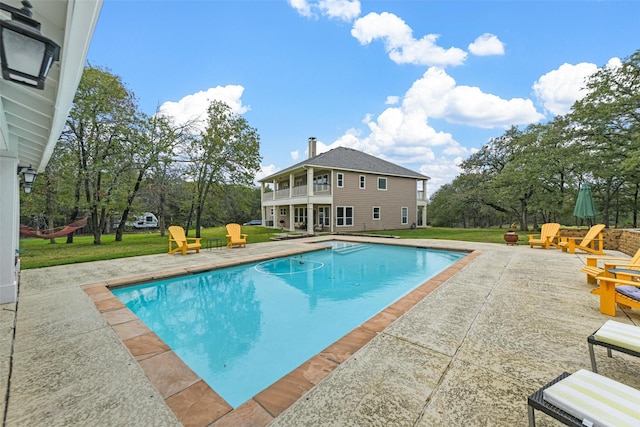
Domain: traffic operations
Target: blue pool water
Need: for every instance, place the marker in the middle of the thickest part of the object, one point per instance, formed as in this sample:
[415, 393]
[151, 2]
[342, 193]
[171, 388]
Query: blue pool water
[242, 328]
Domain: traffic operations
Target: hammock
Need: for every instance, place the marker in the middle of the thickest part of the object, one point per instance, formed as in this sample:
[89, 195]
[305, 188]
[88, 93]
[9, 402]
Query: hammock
[47, 234]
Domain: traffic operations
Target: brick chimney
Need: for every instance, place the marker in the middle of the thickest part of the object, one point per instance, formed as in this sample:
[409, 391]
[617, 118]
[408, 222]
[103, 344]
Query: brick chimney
[312, 147]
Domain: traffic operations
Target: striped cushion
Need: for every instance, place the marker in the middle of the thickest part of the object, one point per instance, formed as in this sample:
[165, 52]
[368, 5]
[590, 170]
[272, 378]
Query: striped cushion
[596, 399]
[620, 334]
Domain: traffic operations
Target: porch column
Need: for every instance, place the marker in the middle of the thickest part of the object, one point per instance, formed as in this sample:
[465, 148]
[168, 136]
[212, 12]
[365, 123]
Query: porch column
[424, 210]
[310, 218]
[424, 216]
[309, 183]
[9, 229]
[292, 225]
[292, 182]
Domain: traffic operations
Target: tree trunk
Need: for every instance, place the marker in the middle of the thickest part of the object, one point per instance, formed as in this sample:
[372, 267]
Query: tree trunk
[130, 199]
[635, 207]
[198, 215]
[161, 220]
[95, 225]
[123, 221]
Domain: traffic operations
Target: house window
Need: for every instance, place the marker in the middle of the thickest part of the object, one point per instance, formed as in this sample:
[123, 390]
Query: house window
[382, 184]
[344, 216]
[321, 183]
[272, 211]
[300, 216]
[323, 216]
[362, 181]
[404, 215]
[376, 212]
[340, 180]
[283, 211]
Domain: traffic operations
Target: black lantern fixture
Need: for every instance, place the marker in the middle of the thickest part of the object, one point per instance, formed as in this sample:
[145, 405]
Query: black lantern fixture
[28, 176]
[27, 55]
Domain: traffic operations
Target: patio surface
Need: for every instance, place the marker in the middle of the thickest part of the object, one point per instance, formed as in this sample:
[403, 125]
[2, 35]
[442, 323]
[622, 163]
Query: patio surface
[488, 333]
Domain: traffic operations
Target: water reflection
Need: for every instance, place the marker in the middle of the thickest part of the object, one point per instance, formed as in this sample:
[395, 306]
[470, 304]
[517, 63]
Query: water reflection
[195, 312]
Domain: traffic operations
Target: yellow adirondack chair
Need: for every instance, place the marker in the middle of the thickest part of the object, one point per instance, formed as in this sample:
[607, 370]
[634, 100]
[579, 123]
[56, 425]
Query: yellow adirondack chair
[610, 297]
[235, 236]
[592, 242]
[549, 235]
[177, 236]
[609, 267]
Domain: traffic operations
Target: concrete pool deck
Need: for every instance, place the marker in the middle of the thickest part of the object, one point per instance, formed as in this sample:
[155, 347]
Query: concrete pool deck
[468, 351]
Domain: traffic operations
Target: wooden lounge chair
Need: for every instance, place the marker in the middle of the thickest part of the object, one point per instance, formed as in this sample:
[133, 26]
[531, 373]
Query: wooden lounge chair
[616, 291]
[177, 236]
[549, 235]
[610, 266]
[235, 236]
[592, 242]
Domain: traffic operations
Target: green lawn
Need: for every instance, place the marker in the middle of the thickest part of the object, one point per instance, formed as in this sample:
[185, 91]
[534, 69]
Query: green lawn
[488, 235]
[36, 253]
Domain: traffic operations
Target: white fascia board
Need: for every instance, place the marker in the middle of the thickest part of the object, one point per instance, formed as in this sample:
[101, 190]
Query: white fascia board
[82, 17]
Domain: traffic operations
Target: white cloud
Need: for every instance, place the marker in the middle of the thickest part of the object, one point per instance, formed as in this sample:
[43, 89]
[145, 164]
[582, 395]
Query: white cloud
[400, 44]
[441, 171]
[295, 155]
[265, 170]
[345, 10]
[614, 63]
[487, 44]
[470, 106]
[302, 7]
[392, 100]
[194, 107]
[559, 89]
[403, 135]
[437, 94]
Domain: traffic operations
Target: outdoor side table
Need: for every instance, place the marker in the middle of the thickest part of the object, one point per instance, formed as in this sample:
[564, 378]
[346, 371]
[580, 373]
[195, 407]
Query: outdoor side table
[214, 241]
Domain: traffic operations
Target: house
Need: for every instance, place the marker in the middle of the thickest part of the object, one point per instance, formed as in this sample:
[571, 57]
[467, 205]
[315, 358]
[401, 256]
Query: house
[32, 118]
[344, 190]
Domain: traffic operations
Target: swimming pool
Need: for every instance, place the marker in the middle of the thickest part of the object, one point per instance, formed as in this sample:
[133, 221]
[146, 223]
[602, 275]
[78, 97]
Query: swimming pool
[242, 328]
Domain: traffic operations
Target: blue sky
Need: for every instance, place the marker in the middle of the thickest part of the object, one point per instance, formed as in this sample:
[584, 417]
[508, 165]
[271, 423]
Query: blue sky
[420, 83]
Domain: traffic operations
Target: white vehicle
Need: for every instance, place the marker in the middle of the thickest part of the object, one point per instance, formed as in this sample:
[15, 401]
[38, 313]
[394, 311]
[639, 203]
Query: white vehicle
[148, 220]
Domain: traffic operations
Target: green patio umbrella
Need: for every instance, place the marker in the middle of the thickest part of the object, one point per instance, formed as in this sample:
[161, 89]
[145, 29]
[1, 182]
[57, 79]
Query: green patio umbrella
[585, 208]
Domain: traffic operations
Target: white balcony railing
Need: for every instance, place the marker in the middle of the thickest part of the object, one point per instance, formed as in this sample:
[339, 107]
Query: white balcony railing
[282, 194]
[299, 191]
[296, 191]
[321, 188]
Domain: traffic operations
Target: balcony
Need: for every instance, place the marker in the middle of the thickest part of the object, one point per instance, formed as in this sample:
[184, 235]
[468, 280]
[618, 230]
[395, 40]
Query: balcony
[299, 191]
[296, 192]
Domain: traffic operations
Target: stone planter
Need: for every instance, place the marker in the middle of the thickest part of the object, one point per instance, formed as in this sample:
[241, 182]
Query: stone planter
[511, 238]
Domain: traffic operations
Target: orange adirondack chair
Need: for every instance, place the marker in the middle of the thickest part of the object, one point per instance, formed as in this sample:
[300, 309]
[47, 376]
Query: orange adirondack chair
[592, 242]
[235, 236]
[177, 236]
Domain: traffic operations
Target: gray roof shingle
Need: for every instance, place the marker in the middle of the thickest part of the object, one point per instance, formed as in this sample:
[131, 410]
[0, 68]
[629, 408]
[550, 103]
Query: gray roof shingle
[348, 159]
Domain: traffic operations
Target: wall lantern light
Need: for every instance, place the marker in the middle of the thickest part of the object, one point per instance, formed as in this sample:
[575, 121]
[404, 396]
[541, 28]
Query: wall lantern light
[27, 55]
[28, 176]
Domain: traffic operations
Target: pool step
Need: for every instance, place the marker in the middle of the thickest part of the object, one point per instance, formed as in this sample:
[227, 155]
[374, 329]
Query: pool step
[351, 248]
